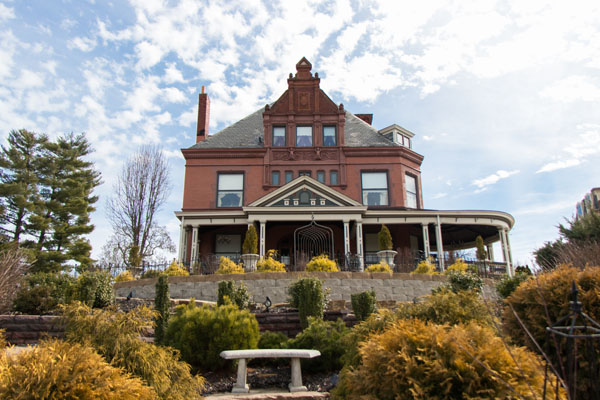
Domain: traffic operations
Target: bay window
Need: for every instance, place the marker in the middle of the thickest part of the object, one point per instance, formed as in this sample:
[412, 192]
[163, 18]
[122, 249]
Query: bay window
[374, 188]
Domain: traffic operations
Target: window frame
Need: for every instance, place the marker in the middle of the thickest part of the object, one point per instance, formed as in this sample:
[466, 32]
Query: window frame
[322, 174]
[218, 191]
[273, 175]
[290, 174]
[284, 135]
[387, 188]
[312, 139]
[337, 177]
[334, 127]
[416, 192]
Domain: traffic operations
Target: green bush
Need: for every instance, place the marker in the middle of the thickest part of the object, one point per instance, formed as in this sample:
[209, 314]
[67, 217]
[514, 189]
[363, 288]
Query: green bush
[162, 303]
[364, 304]
[325, 336]
[42, 293]
[307, 296]
[542, 301]
[385, 238]
[459, 281]
[250, 245]
[59, 370]
[508, 284]
[413, 359]
[116, 337]
[151, 274]
[124, 276]
[273, 340]
[322, 263]
[201, 333]
[237, 294]
[95, 289]
[226, 266]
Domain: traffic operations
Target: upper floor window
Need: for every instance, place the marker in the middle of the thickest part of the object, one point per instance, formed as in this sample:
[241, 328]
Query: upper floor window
[329, 137]
[279, 136]
[333, 177]
[304, 173]
[321, 176]
[304, 136]
[230, 192]
[411, 191]
[275, 178]
[289, 175]
[374, 188]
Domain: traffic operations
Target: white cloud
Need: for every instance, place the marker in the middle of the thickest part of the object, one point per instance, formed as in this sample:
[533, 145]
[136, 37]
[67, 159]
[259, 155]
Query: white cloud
[174, 95]
[585, 145]
[28, 79]
[6, 12]
[82, 43]
[493, 178]
[188, 118]
[573, 88]
[172, 74]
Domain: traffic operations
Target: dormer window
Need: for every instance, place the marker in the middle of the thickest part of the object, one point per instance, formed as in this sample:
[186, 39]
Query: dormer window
[304, 136]
[398, 135]
[329, 137]
[278, 136]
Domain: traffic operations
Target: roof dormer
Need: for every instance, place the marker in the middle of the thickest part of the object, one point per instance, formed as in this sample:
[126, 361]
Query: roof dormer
[398, 135]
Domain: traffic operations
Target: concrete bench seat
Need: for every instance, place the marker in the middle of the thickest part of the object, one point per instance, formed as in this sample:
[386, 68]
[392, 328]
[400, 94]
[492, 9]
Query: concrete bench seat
[243, 355]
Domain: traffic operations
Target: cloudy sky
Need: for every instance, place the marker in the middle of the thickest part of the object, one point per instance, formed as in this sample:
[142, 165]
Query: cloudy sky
[503, 96]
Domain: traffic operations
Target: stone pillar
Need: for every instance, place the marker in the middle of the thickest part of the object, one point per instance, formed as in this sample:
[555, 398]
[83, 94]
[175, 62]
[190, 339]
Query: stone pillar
[194, 245]
[359, 245]
[438, 244]
[426, 248]
[240, 385]
[261, 238]
[296, 384]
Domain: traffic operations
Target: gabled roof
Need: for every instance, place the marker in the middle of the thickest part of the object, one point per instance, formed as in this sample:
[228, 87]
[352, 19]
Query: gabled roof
[249, 133]
[304, 183]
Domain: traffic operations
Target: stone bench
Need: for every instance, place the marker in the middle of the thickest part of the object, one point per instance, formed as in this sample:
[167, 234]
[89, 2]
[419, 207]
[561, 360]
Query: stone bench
[243, 355]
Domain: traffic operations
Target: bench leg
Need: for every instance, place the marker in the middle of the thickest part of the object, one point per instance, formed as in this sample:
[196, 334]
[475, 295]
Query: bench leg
[240, 385]
[296, 384]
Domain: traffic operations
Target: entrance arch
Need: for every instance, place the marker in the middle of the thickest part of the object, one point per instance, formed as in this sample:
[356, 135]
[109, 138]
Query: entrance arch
[312, 240]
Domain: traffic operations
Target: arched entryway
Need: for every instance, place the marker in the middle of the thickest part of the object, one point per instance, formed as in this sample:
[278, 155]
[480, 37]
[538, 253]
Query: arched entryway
[312, 240]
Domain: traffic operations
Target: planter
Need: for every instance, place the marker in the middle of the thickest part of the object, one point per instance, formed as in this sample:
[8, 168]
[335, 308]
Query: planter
[387, 256]
[250, 261]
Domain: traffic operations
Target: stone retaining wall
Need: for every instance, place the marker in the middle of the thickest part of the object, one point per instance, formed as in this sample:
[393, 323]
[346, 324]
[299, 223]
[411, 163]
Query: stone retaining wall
[395, 287]
[30, 329]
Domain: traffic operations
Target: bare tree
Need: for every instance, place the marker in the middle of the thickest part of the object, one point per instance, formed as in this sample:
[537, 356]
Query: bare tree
[141, 190]
[13, 265]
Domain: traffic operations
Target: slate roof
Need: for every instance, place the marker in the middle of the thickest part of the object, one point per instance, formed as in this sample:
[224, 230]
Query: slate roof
[249, 133]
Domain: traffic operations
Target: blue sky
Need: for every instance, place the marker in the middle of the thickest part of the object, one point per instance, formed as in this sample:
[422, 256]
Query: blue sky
[503, 96]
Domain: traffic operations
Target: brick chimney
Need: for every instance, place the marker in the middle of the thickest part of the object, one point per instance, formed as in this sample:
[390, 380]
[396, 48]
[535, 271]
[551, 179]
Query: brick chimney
[203, 116]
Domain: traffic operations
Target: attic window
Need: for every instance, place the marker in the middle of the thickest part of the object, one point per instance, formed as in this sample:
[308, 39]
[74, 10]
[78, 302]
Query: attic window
[304, 136]
[402, 140]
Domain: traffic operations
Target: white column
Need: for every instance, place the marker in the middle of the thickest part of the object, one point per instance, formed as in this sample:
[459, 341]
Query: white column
[426, 240]
[194, 245]
[262, 238]
[438, 243]
[505, 250]
[181, 254]
[490, 252]
[346, 237]
[359, 245]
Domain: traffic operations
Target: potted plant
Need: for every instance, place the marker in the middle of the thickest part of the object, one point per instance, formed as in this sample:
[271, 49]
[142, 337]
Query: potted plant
[385, 252]
[250, 249]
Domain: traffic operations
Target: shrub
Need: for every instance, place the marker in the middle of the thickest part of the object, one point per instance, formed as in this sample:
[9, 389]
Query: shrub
[322, 263]
[307, 296]
[542, 301]
[458, 281]
[270, 264]
[382, 266]
[42, 292]
[201, 333]
[162, 302]
[150, 274]
[116, 337]
[508, 284]
[480, 253]
[385, 238]
[250, 245]
[425, 267]
[124, 276]
[3, 342]
[273, 340]
[459, 266]
[12, 269]
[176, 269]
[226, 266]
[61, 370]
[364, 304]
[237, 294]
[325, 336]
[419, 360]
[94, 288]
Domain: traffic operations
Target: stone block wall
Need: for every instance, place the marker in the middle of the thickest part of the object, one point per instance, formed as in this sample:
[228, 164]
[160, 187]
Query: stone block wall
[30, 329]
[389, 287]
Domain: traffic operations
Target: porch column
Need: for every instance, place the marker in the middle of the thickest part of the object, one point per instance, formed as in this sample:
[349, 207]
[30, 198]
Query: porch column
[194, 245]
[426, 248]
[505, 250]
[346, 237]
[490, 251]
[262, 238]
[181, 254]
[438, 244]
[359, 245]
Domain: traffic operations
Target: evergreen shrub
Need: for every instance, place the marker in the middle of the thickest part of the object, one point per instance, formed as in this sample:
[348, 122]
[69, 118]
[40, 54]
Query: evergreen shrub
[419, 360]
[273, 340]
[306, 294]
[381, 266]
[321, 263]
[364, 304]
[201, 333]
[325, 336]
[508, 284]
[150, 274]
[425, 267]
[237, 294]
[458, 281]
[43, 292]
[162, 303]
[385, 238]
[125, 276]
[3, 342]
[59, 370]
[459, 266]
[269, 263]
[116, 337]
[95, 289]
[175, 269]
[226, 266]
[250, 245]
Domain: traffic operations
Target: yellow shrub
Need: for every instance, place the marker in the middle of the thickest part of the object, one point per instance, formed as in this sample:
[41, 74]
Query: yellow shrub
[61, 370]
[226, 266]
[176, 269]
[270, 264]
[459, 266]
[382, 266]
[124, 276]
[3, 342]
[322, 263]
[425, 267]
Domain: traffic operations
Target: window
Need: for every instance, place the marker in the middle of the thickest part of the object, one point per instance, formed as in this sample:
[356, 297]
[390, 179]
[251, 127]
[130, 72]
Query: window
[329, 138]
[275, 178]
[321, 176]
[279, 136]
[304, 136]
[411, 191]
[289, 175]
[304, 173]
[230, 190]
[333, 177]
[374, 188]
